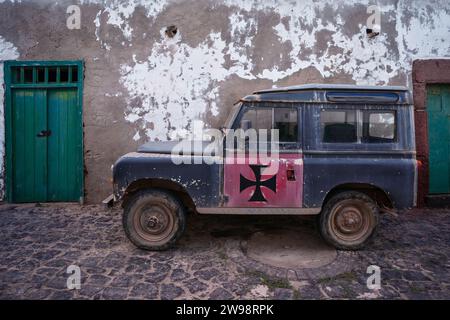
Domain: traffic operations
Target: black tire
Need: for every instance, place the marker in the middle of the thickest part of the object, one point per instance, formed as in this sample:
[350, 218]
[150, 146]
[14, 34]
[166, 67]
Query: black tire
[349, 220]
[154, 219]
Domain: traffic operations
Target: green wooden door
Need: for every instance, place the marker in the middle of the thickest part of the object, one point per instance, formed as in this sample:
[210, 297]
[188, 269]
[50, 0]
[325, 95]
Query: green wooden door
[29, 151]
[438, 107]
[44, 132]
[64, 146]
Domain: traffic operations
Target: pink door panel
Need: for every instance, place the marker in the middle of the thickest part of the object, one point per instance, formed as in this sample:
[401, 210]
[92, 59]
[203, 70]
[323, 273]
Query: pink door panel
[249, 185]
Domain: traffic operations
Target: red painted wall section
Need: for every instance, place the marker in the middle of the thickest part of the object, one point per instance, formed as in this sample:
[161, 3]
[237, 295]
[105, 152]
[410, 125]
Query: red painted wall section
[425, 72]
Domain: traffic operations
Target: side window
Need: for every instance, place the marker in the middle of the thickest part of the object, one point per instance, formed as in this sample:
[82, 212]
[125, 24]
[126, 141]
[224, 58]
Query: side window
[379, 126]
[263, 119]
[259, 118]
[338, 126]
[249, 115]
[283, 119]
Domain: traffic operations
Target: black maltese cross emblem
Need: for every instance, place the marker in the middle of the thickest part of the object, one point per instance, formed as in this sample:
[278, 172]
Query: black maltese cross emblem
[270, 183]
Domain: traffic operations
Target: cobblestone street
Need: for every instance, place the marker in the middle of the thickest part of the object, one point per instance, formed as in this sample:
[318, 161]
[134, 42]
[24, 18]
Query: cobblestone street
[38, 243]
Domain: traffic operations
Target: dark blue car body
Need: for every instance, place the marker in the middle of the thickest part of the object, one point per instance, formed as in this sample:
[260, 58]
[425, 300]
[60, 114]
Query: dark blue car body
[385, 169]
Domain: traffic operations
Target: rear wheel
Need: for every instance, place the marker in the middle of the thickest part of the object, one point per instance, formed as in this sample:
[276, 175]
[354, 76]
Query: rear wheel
[349, 220]
[154, 219]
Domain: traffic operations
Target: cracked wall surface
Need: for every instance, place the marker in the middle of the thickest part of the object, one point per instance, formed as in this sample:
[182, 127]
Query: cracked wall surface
[142, 85]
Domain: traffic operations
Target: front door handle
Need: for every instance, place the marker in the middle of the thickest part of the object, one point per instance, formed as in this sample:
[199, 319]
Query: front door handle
[290, 174]
[44, 133]
[290, 171]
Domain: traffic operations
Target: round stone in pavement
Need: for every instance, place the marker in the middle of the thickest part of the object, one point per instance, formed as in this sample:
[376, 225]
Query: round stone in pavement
[290, 249]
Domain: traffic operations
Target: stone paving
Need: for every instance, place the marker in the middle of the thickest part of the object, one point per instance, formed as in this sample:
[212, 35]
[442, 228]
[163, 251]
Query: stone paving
[39, 242]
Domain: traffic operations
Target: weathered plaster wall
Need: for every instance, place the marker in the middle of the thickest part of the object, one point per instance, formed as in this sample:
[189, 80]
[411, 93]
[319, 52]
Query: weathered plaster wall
[141, 84]
[7, 52]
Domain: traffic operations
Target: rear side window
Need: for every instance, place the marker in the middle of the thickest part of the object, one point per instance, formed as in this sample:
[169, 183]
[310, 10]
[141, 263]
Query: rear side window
[338, 126]
[379, 126]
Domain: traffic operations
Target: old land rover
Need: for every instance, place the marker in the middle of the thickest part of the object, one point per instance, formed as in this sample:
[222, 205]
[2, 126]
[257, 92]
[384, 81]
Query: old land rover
[345, 154]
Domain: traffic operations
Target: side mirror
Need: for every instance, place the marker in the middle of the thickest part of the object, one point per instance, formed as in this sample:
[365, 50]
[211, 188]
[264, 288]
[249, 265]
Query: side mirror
[246, 124]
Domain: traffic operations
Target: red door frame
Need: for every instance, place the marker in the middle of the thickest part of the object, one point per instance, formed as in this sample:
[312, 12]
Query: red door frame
[430, 71]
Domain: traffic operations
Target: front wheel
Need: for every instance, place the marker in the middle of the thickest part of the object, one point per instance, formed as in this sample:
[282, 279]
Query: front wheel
[349, 220]
[154, 219]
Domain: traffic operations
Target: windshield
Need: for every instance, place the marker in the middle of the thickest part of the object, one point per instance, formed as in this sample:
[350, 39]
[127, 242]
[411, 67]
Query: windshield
[233, 112]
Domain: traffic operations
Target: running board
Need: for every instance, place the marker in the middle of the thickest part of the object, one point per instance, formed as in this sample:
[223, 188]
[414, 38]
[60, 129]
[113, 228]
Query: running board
[261, 211]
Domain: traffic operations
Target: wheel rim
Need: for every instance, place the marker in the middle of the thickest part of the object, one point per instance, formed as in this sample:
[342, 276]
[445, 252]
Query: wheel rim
[351, 221]
[154, 222]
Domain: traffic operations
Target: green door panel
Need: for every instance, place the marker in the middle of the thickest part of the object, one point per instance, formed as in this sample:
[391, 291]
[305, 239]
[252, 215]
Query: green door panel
[64, 146]
[46, 167]
[43, 131]
[29, 151]
[438, 108]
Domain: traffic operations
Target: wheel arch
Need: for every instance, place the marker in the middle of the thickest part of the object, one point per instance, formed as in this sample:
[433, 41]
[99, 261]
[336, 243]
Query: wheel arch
[163, 184]
[376, 193]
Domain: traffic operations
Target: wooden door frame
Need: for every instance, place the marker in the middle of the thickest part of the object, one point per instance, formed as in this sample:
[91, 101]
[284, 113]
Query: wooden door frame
[426, 72]
[8, 65]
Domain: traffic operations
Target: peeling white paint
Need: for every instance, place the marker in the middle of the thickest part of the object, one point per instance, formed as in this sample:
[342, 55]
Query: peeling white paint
[423, 34]
[119, 13]
[175, 85]
[137, 136]
[242, 29]
[178, 83]
[97, 31]
[7, 52]
[111, 95]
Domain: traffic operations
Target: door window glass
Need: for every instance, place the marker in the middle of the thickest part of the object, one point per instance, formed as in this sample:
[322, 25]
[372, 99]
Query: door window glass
[285, 120]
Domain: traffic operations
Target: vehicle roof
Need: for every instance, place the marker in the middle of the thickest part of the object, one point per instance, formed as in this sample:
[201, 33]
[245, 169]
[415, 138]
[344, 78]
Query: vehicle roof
[324, 86]
[334, 93]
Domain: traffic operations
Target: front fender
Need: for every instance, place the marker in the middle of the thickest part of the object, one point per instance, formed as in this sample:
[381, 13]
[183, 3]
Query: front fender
[200, 181]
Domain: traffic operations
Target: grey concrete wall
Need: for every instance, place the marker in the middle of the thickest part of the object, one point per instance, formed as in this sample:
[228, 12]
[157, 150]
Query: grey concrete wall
[142, 85]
